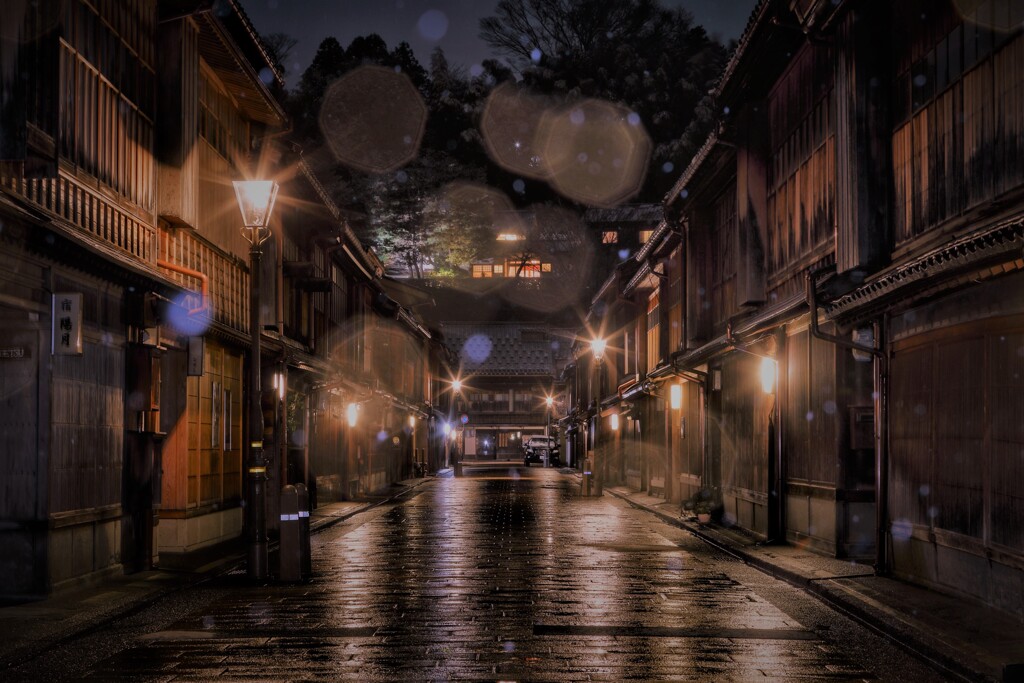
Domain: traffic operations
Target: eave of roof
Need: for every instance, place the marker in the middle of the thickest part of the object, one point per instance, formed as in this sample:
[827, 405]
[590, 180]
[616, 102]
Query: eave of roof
[219, 49]
[962, 254]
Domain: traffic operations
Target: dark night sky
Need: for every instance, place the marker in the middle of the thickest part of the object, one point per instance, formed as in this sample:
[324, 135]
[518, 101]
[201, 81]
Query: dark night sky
[420, 22]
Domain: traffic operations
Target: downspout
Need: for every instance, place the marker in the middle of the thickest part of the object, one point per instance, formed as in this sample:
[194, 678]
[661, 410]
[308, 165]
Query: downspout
[881, 408]
[204, 295]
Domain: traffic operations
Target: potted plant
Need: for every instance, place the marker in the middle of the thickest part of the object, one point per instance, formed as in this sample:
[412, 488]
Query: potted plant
[702, 508]
[701, 504]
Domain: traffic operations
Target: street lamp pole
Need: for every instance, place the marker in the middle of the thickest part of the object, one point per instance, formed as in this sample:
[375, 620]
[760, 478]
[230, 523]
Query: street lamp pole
[460, 453]
[256, 202]
[549, 401]
[597, 346]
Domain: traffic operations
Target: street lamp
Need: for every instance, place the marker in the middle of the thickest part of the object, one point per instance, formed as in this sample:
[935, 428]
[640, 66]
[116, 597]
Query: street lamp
[256, 202]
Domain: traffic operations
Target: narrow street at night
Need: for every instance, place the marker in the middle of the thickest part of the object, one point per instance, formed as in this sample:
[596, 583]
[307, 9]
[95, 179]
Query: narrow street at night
[505, 573]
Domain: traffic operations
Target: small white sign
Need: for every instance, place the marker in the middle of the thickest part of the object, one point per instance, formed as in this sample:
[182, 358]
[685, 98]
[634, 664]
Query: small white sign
[67, 324]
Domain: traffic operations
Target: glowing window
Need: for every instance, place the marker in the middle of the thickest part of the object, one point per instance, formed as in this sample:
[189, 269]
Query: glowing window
[531, 268]
[645, 235]
[610, 237]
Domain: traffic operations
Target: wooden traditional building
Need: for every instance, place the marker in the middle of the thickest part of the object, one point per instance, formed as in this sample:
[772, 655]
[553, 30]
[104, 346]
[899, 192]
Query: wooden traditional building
[851, 240]
[80, 250]
[125, 296]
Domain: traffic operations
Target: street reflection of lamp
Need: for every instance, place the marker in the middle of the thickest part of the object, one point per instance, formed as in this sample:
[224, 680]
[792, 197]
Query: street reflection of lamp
[256, 202]
[461, 430]
[352, 414]
[597, 347]
[615, 422]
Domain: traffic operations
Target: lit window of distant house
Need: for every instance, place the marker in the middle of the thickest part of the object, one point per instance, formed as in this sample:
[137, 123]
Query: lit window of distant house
[645, 235]
[499, 269]
[482, 270]
[610, 237]
[508, 237]
[530, 268]
[545, 267]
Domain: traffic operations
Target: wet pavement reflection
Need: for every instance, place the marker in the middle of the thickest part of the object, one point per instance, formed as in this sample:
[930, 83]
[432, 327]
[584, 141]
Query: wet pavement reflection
[504, 574]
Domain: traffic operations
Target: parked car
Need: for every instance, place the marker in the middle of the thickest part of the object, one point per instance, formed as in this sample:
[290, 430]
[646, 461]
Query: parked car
[540, 448]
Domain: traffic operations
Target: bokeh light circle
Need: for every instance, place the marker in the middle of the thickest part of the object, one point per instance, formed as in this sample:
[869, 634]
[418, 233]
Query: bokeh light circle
[373, 119]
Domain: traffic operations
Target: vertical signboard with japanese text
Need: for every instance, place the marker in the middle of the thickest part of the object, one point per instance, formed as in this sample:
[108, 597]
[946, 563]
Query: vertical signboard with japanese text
[67, 324]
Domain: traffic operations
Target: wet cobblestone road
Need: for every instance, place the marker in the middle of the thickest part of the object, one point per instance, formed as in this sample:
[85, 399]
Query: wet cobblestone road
[500, 575]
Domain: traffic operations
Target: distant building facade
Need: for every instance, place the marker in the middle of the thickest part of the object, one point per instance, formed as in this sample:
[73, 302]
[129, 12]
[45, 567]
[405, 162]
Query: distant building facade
[507, 370]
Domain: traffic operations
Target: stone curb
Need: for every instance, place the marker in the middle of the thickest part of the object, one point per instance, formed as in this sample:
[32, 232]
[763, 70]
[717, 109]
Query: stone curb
[936, 654]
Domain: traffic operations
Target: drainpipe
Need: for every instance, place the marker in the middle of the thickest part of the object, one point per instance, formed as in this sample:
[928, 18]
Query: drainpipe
[204, 294]
[881, 408]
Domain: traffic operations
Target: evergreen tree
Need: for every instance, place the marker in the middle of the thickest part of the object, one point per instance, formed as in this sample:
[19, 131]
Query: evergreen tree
[651, 59]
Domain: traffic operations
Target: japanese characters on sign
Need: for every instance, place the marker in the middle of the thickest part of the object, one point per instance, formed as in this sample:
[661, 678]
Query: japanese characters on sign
[67, 324]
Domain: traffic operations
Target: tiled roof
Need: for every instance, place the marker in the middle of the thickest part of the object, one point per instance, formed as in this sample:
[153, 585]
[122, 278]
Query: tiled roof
[500, 349]
[634, 213]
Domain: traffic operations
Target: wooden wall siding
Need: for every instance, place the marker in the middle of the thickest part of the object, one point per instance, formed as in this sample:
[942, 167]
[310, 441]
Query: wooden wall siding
[178, 125]
[811, 411]
[698, 278]
[1006, 438]
[87, 428]
[963, 146]
[802, 169]
[723, 259]
[214, 473]
[174, 423]
[1008, 67]
[133, 21]
[219, 221]
[220, 122]
[654, 444]
[20, 497]
[229, 283]
[652, 330]
[105, 133]
[863, 239]
[742, 426]
[910, 426]
[957, 430]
